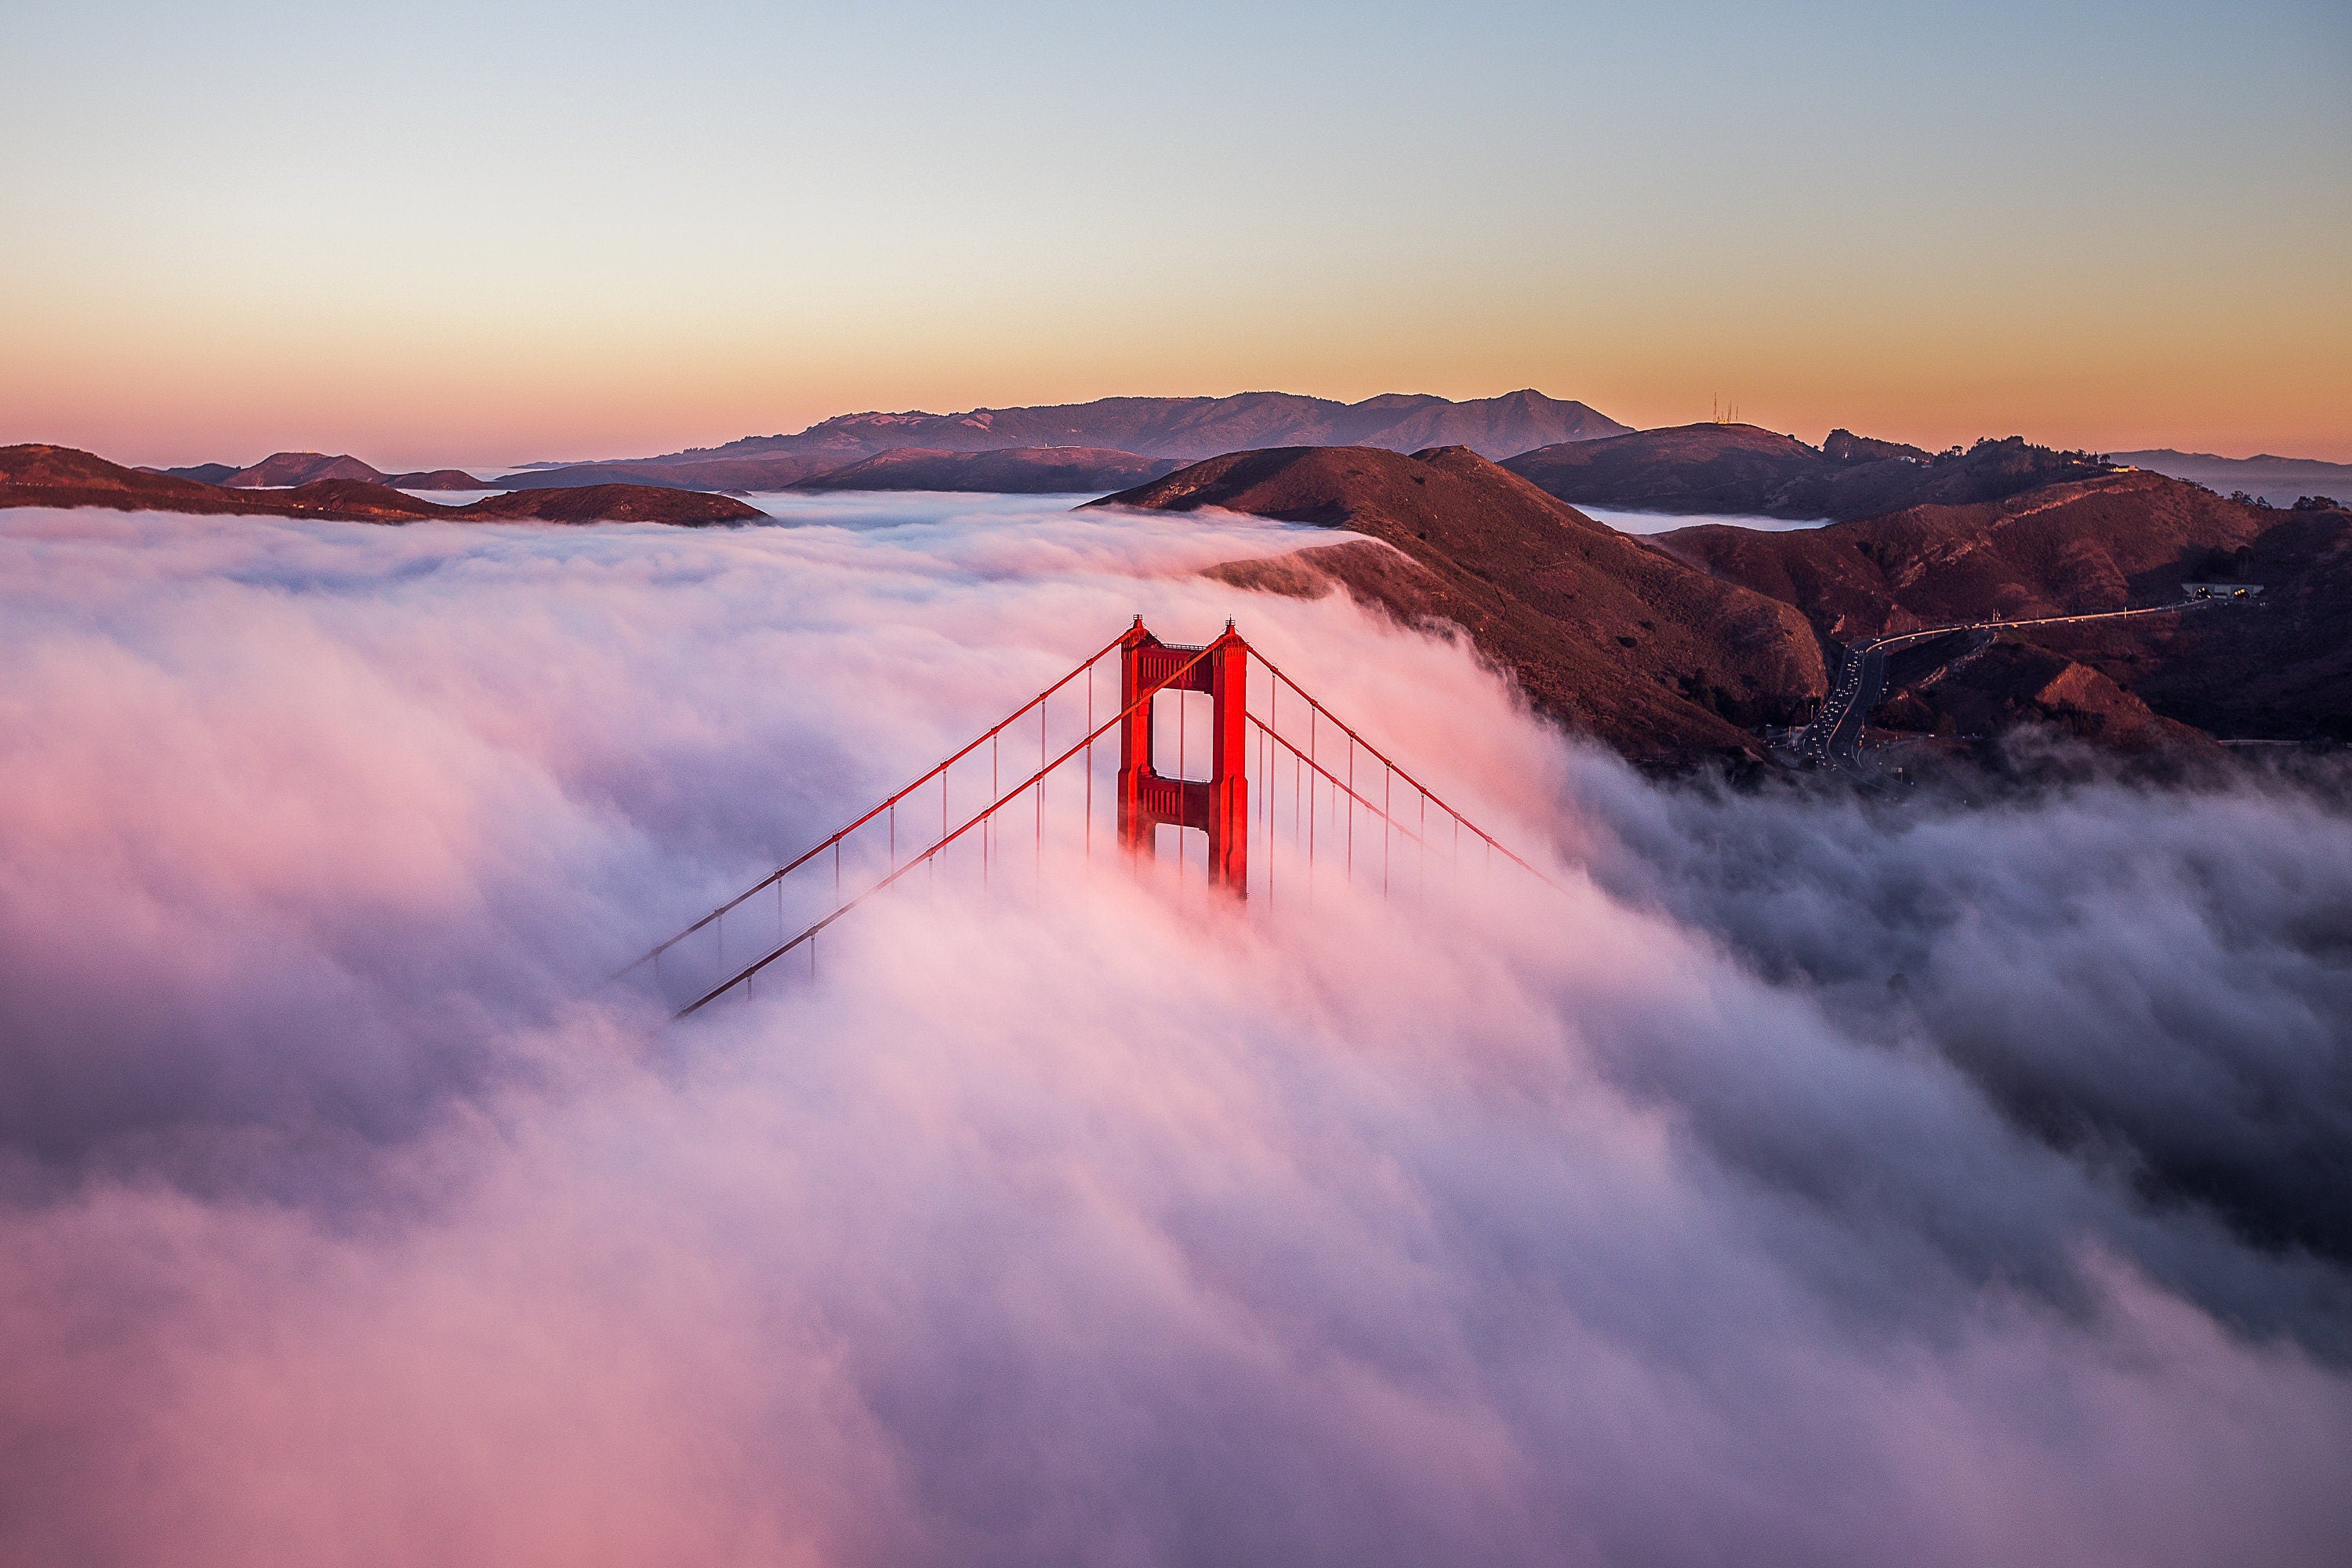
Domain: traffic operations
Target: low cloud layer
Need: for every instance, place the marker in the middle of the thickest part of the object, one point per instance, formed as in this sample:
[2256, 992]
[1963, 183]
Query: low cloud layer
[1804, 1183]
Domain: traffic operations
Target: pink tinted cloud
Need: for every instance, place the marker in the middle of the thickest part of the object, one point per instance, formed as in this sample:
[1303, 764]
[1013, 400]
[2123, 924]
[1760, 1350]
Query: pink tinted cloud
[349, 1221]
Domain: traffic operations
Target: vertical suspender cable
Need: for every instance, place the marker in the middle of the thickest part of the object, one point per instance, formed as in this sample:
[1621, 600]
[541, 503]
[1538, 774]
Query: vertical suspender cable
[1038, 849]
[1090, 765]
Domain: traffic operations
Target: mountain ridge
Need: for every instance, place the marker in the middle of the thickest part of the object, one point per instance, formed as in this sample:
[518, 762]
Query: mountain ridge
[1623, 641]
[2279, 668]
[2280, 481]
[1191, 428]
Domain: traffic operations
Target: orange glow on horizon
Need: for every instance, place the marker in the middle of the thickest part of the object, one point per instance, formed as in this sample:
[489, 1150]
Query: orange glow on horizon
[189, 397]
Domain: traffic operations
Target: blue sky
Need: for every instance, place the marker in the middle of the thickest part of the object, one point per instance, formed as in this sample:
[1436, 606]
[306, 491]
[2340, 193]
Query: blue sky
[449, 233]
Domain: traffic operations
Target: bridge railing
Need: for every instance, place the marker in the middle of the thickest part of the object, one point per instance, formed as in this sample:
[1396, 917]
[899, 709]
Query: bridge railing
[912, 823]
[1324, 803]
[977, 829]
[1343, 782]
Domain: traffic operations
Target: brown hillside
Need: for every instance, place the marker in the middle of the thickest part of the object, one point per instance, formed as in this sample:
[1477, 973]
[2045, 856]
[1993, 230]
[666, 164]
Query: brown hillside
[2003, 683]
[60, 476]
[609, 503]
[284, 469]
[1619, 639]
[2105, 543]
[2278, 669]
[359, 501]
[67, 468]
[438, 479]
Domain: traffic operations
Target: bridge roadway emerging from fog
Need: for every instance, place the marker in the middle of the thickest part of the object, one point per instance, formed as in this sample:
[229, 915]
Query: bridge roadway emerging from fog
[1293, 796]
[1834, 737]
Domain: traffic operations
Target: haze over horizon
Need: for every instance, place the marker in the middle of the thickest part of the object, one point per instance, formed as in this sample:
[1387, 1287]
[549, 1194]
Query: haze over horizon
[483, 238]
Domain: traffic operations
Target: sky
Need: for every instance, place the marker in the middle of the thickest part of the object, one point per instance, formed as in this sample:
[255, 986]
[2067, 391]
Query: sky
[491, 233]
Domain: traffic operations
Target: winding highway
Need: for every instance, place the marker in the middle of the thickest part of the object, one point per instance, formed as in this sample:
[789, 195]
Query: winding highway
[1834, 737]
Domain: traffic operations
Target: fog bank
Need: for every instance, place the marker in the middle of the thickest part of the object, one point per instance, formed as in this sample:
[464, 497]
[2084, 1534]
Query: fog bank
[1802, 1182]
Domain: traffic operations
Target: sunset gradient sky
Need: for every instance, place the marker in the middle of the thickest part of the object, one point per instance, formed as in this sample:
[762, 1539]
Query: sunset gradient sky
[481, 233]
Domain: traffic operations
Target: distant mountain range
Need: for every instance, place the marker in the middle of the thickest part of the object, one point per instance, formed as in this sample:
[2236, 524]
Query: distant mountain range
[2279, 480]
[1098, 445]
[1577, 454]
[1075, 448]
[1674, 647]
[1191, 428]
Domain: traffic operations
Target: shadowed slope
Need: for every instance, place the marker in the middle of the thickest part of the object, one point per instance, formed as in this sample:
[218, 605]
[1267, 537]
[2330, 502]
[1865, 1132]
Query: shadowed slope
[1980, 684]
[1655, 658]
[2278, 668]
[2104, 543]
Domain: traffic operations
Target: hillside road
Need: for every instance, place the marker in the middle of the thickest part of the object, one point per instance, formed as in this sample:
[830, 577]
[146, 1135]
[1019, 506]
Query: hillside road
[1834, 737]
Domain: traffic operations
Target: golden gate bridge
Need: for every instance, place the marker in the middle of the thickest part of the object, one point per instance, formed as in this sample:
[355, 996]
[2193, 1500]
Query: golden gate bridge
[1283, 771]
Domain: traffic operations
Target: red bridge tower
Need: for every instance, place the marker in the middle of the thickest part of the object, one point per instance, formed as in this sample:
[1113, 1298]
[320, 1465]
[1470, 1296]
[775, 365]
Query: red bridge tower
[1218, 805]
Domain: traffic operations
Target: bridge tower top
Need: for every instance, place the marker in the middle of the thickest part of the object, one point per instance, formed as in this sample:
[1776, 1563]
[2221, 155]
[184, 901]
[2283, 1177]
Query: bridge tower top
[1219, 804]
[1337, 793]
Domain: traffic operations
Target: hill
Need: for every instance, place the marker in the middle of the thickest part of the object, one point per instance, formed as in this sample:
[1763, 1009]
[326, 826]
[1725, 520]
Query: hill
[1994, 683]
[2281, 668]
[1741, 469]
[1603, 632]
[63, 476]
[203, 473]
[438, 479]
[2103, 543]
[609, 503]
[1026, 470]
[285, 470]
[1188, 428]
